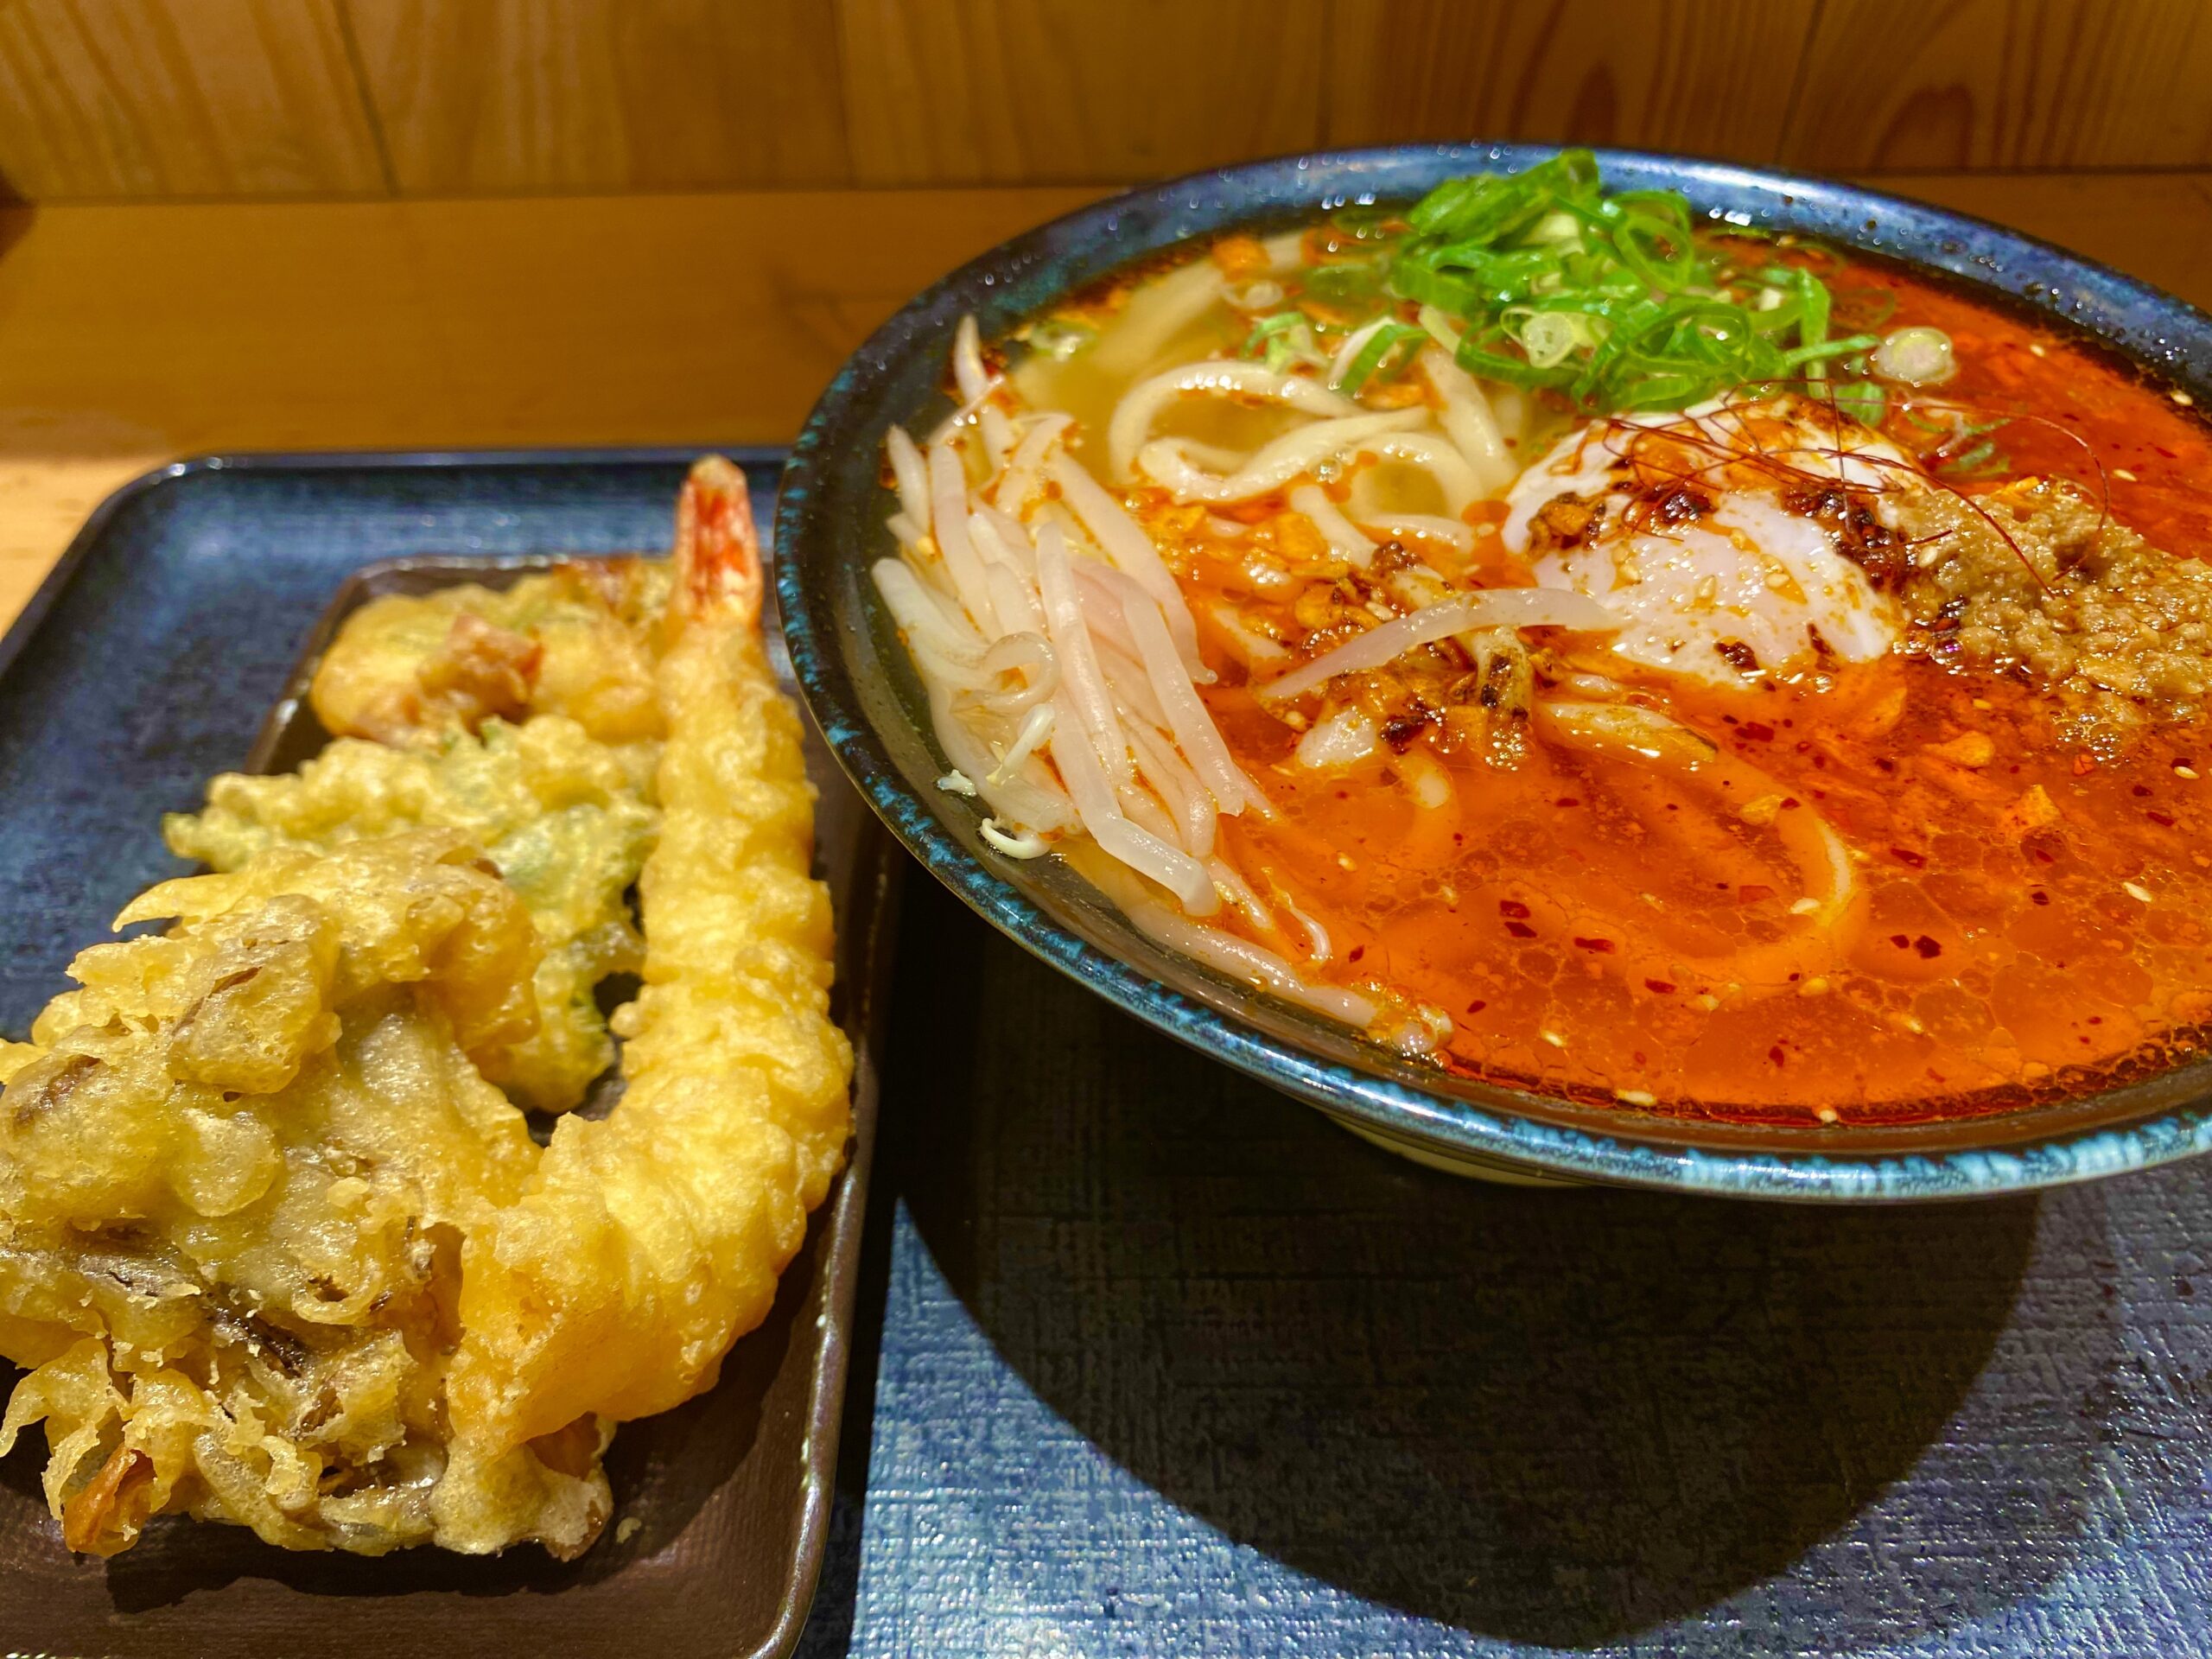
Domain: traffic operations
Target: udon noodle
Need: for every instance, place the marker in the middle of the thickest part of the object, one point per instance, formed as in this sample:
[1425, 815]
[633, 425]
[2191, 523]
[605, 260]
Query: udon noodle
[1704, 673]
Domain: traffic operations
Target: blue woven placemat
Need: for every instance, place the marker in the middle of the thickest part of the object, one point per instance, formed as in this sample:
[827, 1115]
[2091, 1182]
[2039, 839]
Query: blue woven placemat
[1170, 1365]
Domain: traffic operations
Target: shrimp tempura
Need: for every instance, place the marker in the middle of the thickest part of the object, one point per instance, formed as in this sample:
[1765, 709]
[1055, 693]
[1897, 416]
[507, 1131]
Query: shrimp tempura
[275, 1252]
[647, 1242]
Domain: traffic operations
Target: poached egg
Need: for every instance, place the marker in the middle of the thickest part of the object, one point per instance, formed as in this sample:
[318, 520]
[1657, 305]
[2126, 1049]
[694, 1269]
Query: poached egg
[1708, 532]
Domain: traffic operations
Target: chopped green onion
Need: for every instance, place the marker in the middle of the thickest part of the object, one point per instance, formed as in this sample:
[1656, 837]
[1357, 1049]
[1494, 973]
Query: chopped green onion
[1281, 340]
[1267, 327]
[1863, 401]
[1973, 460]
[1956, 429]
[1549, 337]
[1918, 357]
[1429, 286]
[1369, 223]
[1347, 283]
[1542, 279]
[1386, 338]
[1060, 338]
[1477, 358]
[1812, 359]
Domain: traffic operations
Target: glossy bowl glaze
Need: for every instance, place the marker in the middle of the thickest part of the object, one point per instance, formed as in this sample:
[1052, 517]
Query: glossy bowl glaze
[829, 527]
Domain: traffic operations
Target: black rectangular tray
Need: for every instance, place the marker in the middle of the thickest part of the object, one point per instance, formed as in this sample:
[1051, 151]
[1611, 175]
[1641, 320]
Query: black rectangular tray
[184, 612]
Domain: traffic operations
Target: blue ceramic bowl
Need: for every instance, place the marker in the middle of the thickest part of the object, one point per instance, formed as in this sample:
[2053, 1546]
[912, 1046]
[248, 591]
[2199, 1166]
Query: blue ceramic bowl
[829, 527]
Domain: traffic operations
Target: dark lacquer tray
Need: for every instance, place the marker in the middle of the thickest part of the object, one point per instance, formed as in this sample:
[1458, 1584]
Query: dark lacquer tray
[185, 616]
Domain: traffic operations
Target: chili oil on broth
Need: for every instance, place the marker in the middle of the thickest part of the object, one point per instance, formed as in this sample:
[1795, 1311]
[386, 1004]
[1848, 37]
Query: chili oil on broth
[2089, 413]
[1581, 912]
[2027, 915]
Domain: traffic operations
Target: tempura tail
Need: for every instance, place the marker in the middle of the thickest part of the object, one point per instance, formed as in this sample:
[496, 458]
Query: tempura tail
[649, 1241]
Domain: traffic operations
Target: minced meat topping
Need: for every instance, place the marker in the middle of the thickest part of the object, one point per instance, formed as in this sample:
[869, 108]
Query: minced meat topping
[2034, 579]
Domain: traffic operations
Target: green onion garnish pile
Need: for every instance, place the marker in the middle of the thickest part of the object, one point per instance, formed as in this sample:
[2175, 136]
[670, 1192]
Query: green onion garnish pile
[1606, 298]
[1543, 279]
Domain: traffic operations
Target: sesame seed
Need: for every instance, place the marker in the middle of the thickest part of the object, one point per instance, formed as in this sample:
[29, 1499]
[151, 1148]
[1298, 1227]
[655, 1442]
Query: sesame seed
[2136, 890]
[1805, 906]
[1983, 703]
[2183, 399]
[1343, 862]
[1553, 1039]
[1912, 1024]
[1815, 987]
[2039, 350]
[2189, 772]
[2123, 475]
[1708, 1001]
[1636, 1097]
[1826, 1114]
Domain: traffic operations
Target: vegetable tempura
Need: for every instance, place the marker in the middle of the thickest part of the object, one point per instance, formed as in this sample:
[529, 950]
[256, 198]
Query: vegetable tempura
[274, 1249]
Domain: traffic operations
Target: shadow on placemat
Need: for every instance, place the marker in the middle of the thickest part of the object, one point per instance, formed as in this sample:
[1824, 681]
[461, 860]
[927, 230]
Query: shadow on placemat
[1555, 1417]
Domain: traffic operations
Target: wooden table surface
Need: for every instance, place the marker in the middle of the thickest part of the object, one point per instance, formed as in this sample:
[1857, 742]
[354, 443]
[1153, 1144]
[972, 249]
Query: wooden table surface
[132, 335]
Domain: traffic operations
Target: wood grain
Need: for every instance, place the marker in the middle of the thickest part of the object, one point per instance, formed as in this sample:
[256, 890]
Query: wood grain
[167, 98]
[180, 97]
[526, 95]
[1707, 76]
[1064, 91]
[2006, 83]
[132, 335]
[2158, 226]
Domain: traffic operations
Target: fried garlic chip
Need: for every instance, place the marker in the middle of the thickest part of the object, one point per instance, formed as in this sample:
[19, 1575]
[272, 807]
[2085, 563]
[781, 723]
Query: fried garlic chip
[276, 1252]
[577, 640]
[568, 821]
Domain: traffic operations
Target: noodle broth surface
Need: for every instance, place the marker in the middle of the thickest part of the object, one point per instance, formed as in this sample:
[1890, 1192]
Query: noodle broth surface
[1573, 915]
[1595, 649]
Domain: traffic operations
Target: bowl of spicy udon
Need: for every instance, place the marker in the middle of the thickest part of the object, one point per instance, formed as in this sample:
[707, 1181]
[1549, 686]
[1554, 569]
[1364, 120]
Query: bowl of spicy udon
[1584, 666]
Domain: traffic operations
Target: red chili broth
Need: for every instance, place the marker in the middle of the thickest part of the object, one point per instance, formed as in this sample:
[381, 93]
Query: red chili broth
[1995, 968]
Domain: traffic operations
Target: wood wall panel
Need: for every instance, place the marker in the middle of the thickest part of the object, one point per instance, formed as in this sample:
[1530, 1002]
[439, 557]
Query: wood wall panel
[181, 98]
[1712, 77]
[124, 99]
[132, 335]
[994, 91]
[2155, 226]
[1992, 84]
[493, 96]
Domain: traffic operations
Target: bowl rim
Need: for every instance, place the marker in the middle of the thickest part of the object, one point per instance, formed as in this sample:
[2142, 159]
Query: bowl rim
[2173, 1109]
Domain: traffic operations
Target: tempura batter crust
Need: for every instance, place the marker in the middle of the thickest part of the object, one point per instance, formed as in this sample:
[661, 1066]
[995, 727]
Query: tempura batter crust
[273, 1248]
